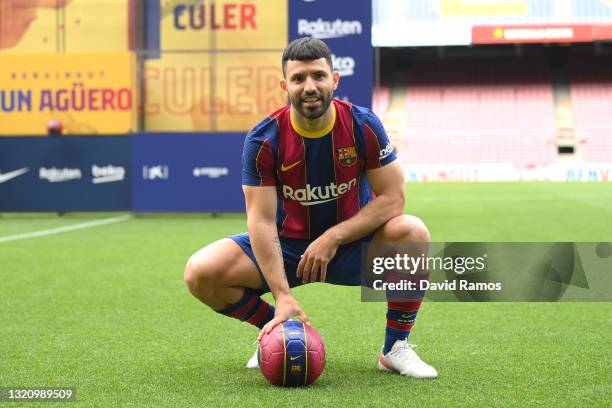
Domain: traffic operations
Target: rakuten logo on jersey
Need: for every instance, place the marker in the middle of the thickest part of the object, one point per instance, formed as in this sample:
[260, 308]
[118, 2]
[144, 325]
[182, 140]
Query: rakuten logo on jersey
[323, 29]
[386, 151]
[318, 194]
[344, 65]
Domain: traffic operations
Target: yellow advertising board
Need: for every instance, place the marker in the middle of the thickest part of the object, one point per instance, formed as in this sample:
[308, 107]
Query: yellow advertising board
[223, 24]
[466, 8]
[87, 93]
[211, 92]
[49, 26]
[228, 79]
[97, 26]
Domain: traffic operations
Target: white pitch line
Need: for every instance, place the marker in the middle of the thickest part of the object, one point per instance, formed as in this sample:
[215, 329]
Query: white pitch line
[67, 228]
[468, 199]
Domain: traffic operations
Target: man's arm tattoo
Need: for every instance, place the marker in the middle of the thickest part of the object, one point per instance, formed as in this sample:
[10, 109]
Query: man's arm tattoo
[278, 246]
[280, 252]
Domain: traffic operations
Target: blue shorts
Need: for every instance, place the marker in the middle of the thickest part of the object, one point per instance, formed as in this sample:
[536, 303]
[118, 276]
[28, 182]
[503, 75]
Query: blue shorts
[344, 268]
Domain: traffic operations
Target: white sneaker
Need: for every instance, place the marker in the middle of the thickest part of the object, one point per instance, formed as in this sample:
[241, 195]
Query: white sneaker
[253, 361]
[403, 360]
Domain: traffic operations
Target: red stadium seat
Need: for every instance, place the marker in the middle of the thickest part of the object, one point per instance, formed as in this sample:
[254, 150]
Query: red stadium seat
[466, 112]
[591, 94]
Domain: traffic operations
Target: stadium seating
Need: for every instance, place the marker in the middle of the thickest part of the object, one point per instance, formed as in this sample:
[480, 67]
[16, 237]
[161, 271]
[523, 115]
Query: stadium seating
[467, 112]
[591, 92]
[380, 99]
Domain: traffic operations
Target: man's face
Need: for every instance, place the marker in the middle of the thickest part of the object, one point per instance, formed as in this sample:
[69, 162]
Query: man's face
[310, 86]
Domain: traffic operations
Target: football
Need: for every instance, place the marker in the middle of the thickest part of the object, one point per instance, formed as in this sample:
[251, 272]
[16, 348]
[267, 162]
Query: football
[291, 355]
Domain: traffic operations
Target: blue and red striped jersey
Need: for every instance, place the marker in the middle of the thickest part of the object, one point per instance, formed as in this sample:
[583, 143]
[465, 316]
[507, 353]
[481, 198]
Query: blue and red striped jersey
[320, 176]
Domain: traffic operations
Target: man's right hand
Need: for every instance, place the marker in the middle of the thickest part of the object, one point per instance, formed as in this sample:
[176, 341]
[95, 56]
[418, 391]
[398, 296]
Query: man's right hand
[286, 308]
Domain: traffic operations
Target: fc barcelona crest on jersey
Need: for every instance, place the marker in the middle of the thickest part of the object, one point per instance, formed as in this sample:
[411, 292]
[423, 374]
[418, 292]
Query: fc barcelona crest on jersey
[347, 156]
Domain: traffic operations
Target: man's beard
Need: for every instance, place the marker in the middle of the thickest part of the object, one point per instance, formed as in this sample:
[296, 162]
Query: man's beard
[314, 112]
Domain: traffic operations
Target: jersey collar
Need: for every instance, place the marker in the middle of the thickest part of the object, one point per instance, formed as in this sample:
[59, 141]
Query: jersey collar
[318, 133]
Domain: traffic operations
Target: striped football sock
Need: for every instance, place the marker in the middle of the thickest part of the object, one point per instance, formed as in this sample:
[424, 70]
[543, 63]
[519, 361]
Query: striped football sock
[400, 319]
[250, 308]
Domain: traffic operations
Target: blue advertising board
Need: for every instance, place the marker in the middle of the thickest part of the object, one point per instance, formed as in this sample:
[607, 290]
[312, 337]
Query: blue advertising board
[187, 172]
[345, 26]
[65, 173]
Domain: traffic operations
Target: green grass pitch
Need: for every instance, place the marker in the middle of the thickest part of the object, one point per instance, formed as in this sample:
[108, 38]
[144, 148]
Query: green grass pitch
[105, 310]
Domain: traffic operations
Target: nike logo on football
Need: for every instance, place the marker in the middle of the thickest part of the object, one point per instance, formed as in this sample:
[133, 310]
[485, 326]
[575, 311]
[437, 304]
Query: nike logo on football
[285, 168]
[293, 358]
[12, 174]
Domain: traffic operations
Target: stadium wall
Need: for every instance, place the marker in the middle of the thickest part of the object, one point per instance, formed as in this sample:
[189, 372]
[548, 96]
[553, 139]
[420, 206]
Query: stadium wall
[144, 173]
[187, 172]
[65, 174]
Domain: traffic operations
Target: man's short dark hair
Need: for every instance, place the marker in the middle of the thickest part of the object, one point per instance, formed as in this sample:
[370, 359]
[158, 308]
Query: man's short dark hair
[306, 49]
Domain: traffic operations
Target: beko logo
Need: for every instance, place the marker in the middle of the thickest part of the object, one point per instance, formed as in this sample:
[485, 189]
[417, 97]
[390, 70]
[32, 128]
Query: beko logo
[210, 172]
[57, 175]
[323, 29]
[344, 65]
[157, 172]
[107, 174]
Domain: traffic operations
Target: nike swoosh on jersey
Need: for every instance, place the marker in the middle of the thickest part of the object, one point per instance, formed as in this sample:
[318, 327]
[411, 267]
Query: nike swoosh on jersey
[12, 174]
[307, 203]
[285, 168]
